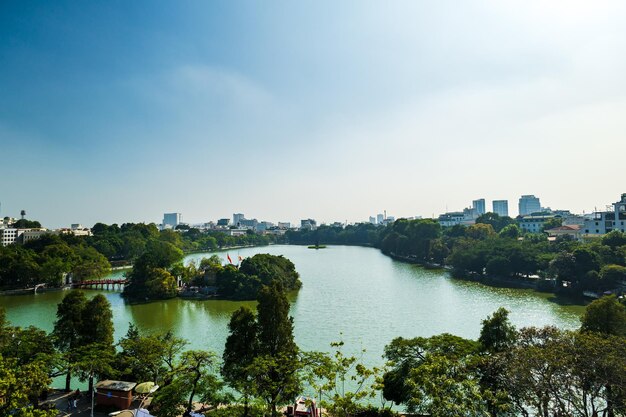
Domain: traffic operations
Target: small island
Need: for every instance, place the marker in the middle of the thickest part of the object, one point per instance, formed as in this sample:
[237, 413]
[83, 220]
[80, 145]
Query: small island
[317, 247]
[160, 274]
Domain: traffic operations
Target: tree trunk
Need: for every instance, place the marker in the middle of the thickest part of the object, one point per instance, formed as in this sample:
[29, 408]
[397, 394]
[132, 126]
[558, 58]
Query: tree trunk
[91, 388]
[245, 406]
[609, 401]
[68, 381]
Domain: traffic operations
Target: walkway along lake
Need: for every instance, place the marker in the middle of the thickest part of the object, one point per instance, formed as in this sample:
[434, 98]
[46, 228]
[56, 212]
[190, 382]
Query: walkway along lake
[348, 292]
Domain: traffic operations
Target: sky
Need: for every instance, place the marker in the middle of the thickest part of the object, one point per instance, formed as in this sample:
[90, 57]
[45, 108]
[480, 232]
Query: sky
[120, 111]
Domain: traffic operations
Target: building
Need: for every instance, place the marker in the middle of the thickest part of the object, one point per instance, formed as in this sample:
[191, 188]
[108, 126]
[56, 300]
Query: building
[451, 219]
[574, 231]
[223, 222]
[308, 224]
[372, 220]
[284, 225]
[9, 236]
[600, 223]
[529, 204]
[264, 225]
[500, 207]
[84, 231]
[533, 223]
[248, 224]
[171, 220]
[479, 206]
[380, 218]
[117, 394]
[237, 218]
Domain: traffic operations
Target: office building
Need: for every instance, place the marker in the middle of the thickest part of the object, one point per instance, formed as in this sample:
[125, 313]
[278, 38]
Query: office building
[248, 224]
[533, 223]
[500, 207]
[237, 218]
[529, 204]
[601, 223]
[223, 222]
[479, 206]
[172, 220]
[308, 224]
[372, 220]
[380, 218]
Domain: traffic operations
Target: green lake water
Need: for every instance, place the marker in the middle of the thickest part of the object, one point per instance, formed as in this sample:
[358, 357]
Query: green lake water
[350, 293]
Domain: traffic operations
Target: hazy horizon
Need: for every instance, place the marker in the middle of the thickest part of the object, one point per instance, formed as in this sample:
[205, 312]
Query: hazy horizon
[119, 112]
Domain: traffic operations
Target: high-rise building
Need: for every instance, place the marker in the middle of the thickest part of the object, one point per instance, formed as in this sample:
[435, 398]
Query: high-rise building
[237, 218]
[501, 207]
[172, 220]
[529, 204]
[380, 218]
[308, 224]
[372, 220]
[479, 206]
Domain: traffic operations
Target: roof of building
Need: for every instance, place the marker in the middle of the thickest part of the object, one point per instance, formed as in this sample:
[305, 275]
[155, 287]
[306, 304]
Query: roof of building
[571, 228]
[115, 385]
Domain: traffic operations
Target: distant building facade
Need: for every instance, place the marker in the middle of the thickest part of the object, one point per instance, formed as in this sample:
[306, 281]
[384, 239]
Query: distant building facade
[533, 223]
[601, 223]
[171, 220]
[500, 207]
[479, 206]
[308, 224]
[10, 236]
[529, 204]
[237, 218]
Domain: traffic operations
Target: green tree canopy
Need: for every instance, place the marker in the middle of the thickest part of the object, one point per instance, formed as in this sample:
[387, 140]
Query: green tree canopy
[605, 316]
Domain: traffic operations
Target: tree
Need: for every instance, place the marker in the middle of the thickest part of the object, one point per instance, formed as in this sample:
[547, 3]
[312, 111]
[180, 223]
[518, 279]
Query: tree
[611, 276]
[239, 353]
[150, 277]
[330, 375]
[94, 360]
[434, 375]
[20, 386]
[193, 376]
[97, 322]
[69, 326]
[495, 220]
[511, 231]
[605, 316]
[275, 369]
[141, 357]
[497, 333]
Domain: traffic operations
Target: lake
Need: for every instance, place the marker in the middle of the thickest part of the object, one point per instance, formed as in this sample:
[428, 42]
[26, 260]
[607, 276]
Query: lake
[349, 293]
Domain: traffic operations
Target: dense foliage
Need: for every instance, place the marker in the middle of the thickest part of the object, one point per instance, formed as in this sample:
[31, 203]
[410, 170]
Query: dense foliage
[47, 260]
[244, 283]
[533, 371]
[50, 258]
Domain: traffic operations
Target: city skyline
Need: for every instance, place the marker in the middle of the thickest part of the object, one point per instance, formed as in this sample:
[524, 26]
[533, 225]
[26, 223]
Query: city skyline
[115, 112]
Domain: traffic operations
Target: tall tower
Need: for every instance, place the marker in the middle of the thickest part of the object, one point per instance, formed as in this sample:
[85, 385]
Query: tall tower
[501, 207]
[479, 206]
[529, 204]
[23, 214]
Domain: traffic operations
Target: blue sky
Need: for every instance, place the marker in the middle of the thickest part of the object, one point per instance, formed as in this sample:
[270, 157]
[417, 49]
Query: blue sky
[120, 111]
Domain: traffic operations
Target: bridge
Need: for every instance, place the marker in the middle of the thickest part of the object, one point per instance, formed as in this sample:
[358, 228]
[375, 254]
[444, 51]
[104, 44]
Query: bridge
[103, 284]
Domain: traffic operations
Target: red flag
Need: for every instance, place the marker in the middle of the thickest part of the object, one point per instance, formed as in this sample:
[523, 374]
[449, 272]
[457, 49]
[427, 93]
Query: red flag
[229, 260]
